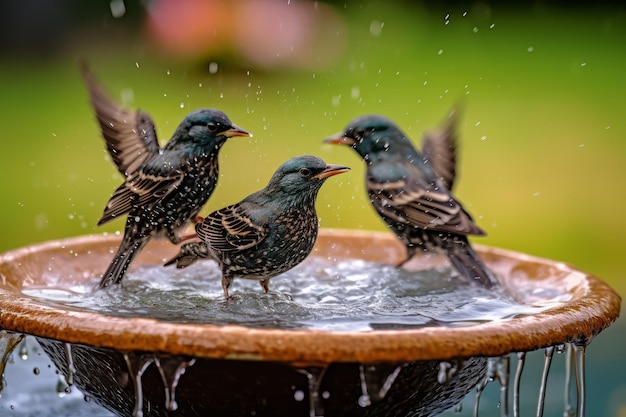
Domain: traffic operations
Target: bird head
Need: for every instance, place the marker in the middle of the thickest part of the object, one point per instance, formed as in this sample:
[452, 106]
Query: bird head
[206, 128]
[372, 137]
[302, 176]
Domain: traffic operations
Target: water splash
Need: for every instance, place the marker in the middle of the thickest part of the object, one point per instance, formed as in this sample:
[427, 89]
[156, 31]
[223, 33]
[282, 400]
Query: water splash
[351, 295]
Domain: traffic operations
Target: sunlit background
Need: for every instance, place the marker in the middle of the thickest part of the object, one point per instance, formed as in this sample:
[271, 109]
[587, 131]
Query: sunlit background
[542, 137]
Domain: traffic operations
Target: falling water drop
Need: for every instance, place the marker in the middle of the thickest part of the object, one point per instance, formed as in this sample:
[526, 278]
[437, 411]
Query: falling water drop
[364, 400]
[579, 360]
[502, 375]
[569, 359]
[171, 368]
[314, 378]
[137, 365]
[23, 351]
[62, 388]
[371, 387]
[521, 359]
[491, 373]
[71, 370]
[447, 370]
[547, 361]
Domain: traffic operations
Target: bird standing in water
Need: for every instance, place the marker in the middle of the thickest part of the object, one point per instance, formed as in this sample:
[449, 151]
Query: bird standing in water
[411, 191]
[268, 232]
[164, 188]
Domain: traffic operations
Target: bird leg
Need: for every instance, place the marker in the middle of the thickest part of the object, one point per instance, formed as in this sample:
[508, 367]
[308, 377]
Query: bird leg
[175, 239]
[225, 284]
[403, 262]
[265, 284]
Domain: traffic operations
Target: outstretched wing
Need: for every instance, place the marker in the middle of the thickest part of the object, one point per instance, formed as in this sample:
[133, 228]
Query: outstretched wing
[140, 189]
[402, 194]
[130, 136]
[230, 229]
[439, 148]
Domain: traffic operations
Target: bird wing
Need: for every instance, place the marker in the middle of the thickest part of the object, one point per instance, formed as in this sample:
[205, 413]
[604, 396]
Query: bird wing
[401, 193]
[140, 189]
[439, 149]
[130, 137]
[230, 229]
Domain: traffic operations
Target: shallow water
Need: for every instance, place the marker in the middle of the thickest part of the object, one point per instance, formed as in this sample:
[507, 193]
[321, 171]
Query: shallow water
[350, 295]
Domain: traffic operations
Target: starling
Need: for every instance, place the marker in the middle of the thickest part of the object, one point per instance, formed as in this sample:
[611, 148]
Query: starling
[411, 192]
[268, 232]
[164, 188]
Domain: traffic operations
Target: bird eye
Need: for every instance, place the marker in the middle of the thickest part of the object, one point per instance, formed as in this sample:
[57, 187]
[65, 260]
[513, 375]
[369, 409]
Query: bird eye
[360, 134]
[212, 127]
[305, 172]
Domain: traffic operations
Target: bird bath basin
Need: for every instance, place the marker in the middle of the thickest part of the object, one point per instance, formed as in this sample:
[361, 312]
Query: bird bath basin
[143, 366]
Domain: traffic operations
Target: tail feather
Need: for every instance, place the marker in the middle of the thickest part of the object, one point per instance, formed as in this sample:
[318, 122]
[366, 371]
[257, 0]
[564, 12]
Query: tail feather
[467, 262]
[128, 250]
[188, 254]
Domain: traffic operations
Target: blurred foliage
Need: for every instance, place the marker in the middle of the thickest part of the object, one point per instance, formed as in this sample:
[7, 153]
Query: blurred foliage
[542, 136]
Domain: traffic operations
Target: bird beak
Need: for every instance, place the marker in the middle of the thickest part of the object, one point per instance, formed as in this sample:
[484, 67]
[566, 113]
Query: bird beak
[331, 170]
[236, 131]
[340, 139]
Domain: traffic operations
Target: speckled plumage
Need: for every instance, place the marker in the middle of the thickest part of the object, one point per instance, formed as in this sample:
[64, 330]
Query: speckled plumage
[268, 232]
[164, 188]
[411, 193]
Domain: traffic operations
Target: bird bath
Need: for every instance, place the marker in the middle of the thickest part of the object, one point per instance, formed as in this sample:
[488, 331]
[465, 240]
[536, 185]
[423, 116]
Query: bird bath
[143, 366]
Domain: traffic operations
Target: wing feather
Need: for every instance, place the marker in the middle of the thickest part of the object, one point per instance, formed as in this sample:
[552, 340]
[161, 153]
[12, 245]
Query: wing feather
[406, 197]
[230, 229]
[140, 189]
[130, 137]
[439, 149]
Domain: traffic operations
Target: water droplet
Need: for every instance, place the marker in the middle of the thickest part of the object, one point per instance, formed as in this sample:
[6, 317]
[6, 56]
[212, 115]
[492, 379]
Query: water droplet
[213, 67]
[547, 361]
[298, 395]
[376, 27]
[62, 388]
[36, 371]
[23, 352]
[530, 49]
[171, 369]
[182, 105]
[364, 401]
[118, 8]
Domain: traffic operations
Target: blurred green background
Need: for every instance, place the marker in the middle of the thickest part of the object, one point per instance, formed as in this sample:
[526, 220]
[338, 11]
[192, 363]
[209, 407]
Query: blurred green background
[543, 135]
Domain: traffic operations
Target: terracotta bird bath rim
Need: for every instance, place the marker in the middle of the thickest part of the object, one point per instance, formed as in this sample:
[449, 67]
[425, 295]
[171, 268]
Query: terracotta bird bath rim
[590, 307]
